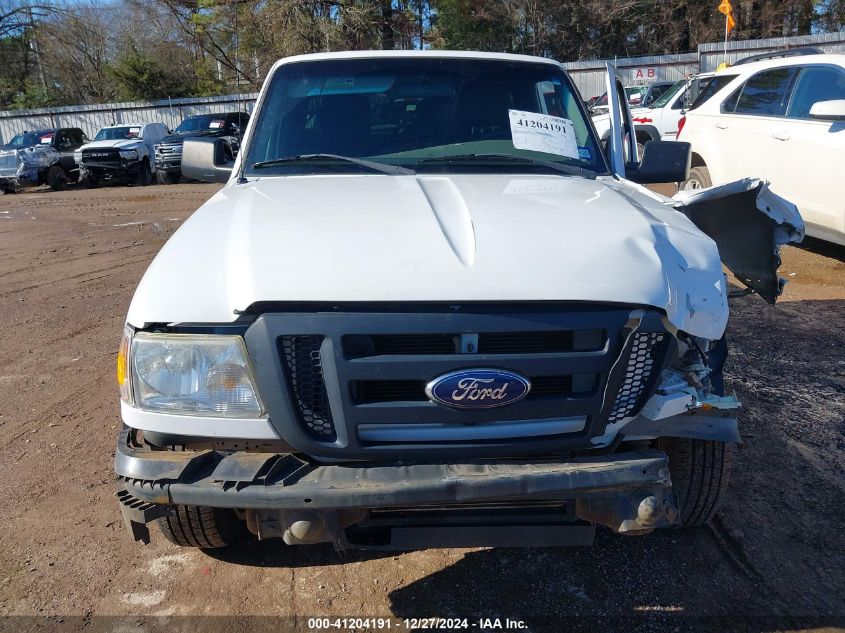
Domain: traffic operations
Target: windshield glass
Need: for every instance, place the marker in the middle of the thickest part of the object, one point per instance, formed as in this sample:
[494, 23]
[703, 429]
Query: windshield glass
[412, 112]
[635, 93]
[669, 94]
[118, 133]
[202, 122]
[26, 139]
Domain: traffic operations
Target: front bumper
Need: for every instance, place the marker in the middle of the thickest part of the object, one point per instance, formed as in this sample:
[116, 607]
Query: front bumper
[124, 168]
[24, 178]
[628, 492]
[169, 166]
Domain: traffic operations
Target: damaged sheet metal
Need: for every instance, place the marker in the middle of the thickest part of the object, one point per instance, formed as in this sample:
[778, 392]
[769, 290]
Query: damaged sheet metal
[708, 424]
[22, 166]
[749, 224]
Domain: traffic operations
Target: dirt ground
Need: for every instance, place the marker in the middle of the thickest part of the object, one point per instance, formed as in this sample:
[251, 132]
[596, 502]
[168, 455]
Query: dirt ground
[68, 265]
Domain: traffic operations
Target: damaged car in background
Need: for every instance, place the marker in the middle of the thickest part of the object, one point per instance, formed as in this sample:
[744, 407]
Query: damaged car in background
[40, 157]
[428, 310]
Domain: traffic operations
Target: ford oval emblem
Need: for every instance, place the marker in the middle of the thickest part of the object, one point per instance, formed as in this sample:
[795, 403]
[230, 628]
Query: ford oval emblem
[478, 388]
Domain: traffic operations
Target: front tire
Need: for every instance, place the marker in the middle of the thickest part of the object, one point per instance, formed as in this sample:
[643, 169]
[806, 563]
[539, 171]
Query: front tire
[56, 178]
[89, 182]
[700, 471]
[202, 527]
[699, 178]
[145, 175]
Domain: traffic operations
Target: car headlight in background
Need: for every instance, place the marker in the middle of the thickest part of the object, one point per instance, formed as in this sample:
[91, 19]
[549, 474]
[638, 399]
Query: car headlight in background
[129, 154]
[77, 157]
[190, 374]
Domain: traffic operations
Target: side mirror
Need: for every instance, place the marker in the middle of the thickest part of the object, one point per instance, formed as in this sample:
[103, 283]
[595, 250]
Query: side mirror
[833, 110]
[205, 159]
[662, 161]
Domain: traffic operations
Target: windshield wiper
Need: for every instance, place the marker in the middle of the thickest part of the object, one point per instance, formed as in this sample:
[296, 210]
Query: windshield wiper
[510, 158]
[308, 158]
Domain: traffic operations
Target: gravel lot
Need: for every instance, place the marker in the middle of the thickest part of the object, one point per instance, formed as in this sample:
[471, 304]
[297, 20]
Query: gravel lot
[69, 263]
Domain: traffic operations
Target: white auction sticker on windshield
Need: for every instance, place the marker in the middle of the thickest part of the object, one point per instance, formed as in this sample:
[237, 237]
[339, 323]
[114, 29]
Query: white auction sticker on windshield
[543, 133]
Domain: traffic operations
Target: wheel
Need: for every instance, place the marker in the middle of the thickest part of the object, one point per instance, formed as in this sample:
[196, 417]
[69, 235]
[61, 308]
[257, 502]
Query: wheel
[89, 182]
[145, 175]
[699, 178]
[166, 178]
[700, 471]
[56, 178]
[201, 526]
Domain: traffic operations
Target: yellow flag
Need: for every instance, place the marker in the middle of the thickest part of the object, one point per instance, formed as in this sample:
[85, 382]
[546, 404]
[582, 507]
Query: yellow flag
[728, 11]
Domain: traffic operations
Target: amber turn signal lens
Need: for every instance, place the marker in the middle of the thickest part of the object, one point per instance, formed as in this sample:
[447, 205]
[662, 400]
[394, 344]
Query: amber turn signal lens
[123, 366]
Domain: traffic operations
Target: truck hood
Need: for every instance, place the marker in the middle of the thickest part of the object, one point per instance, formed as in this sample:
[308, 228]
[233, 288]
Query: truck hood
[465, 238]
[127, 143]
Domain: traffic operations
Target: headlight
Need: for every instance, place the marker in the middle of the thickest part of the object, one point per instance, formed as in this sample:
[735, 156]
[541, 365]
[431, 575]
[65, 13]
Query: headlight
[77, 157]
[193, 374]
[129, 154]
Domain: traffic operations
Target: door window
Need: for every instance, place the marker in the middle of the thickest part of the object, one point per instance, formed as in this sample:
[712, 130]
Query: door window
[815, 83]
[764, 94]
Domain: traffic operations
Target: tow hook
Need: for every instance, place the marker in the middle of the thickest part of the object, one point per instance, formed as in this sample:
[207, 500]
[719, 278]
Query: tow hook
[631, 514]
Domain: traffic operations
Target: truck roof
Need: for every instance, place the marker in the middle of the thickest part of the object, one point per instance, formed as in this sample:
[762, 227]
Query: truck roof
[406, 54]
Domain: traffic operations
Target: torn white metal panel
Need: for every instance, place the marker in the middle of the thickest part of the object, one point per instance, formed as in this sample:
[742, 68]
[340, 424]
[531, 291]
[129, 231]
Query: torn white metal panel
[749, 224]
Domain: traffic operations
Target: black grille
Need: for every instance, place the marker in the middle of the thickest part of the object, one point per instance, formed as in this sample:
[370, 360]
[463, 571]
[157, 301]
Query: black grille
[305, 378]
[350, 358]
[646, 352]
[548, 342]
[372, 391]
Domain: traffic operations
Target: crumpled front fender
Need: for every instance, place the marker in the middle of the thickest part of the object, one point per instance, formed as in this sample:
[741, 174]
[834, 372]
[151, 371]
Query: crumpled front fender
[749, 224]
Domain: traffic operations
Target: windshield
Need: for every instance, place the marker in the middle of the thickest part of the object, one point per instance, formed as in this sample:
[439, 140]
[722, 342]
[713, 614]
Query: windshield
[635, 93]
[669, 94]
[202, 122]
[28, 139]
[118, 133]
[416, 113]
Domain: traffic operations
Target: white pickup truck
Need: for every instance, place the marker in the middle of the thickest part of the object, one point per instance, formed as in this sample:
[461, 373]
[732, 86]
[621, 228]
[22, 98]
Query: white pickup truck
[425, 310]
[661, 119]
[120, 153]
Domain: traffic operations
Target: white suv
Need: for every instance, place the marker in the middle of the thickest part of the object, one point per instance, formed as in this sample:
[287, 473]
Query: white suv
[781, 119]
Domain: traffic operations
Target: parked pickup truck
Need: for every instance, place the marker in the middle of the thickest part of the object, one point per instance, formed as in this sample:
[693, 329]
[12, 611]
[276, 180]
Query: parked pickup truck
[120, 153]
[425, 310]
[40, 157]
[168, 153]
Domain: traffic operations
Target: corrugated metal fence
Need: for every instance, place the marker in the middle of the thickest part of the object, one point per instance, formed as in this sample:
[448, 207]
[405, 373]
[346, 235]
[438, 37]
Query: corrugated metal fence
[92, 117]
[587, 75]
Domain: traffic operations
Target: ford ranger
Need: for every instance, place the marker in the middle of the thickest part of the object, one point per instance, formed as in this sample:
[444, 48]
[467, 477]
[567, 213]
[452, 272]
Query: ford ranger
[427, 310]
